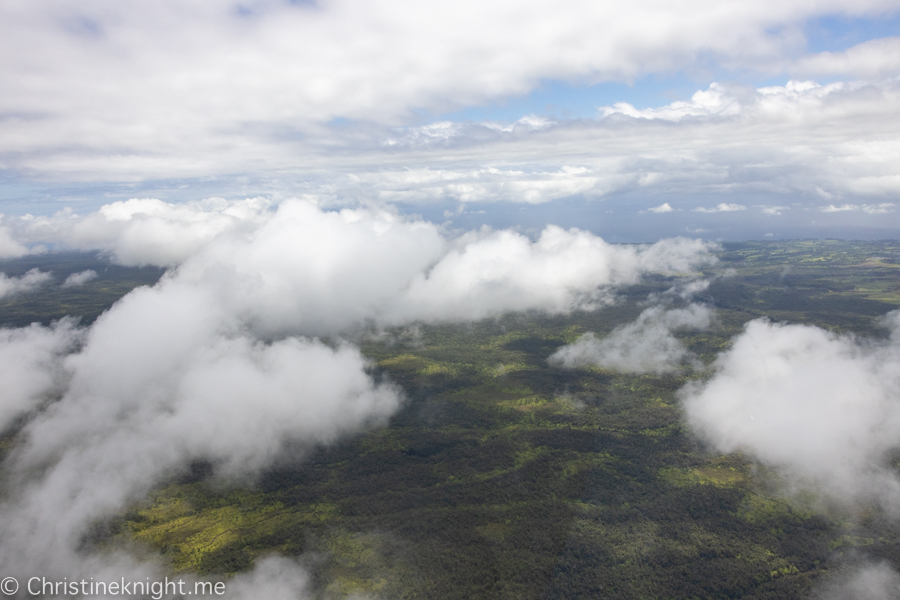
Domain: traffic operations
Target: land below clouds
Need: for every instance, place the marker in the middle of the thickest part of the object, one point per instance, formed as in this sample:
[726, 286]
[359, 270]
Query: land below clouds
[504, 476]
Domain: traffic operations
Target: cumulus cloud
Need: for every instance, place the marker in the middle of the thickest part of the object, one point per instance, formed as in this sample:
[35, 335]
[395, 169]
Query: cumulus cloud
[561, 271]
[646, 345]
[842, 208]
[142, 231]
[28, 282]
[732, 101]
[665, 207]
[819, 406]
[9, 247]
[220, 361]
[711, 102]
[80, 278]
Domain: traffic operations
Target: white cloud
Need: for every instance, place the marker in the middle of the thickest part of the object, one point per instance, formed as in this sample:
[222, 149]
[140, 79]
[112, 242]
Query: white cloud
[871, 209]
[721, 207]
[561, 271]
[869, 581]
[273, 578]
[774, 210]
[9, 247]
[878, 209]
[31, 366]
[644, 346]
[79, 279]
[842, 208]
[715, 101]
[821, 407]
[28, 282]
[483, 185]
[818, 141]
[870, 59]
[665, 207]
[142, 231]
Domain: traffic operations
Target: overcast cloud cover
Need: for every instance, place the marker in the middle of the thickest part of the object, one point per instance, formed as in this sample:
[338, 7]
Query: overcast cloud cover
[351, 101]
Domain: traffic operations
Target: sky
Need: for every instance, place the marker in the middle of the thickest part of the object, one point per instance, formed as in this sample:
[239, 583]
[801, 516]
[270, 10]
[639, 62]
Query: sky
[315, 170]
[724, 121]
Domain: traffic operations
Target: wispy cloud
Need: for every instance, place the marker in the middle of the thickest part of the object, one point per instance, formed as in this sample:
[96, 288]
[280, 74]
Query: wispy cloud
[80, 278]
[30, 281]
[871, 209]
[873, 58]
[774, 210]
[721, 207]
[645, 346]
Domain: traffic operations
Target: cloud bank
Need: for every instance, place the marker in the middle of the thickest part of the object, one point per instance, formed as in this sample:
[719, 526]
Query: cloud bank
[820, 145]
[237, 354]
[140, 231]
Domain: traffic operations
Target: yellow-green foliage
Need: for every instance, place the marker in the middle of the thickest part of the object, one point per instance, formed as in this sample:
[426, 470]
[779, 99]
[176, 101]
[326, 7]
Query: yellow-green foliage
[528, 454]
[709, 475]
[759, 509]
[851, 541]
[354, 564]
[187, 533]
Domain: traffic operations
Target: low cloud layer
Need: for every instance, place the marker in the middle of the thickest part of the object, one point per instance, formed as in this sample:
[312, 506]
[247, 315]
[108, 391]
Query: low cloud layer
[874, 581]
[31, 367]
[223, 360]
[822, 408]
[80, 278]
[30, 281]
[646, 345]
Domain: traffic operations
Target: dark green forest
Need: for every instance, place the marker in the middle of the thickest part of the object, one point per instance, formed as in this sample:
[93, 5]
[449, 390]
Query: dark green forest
[503, 477]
